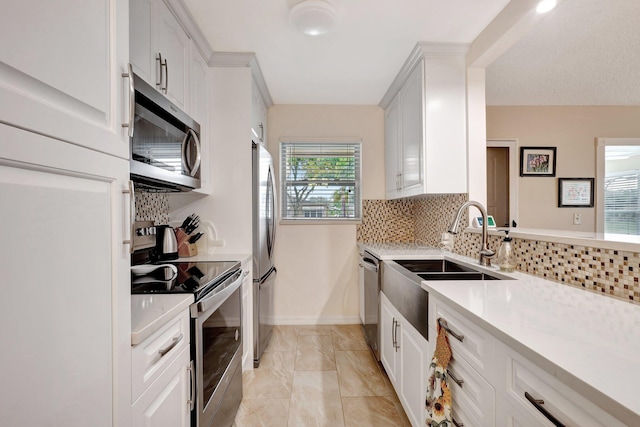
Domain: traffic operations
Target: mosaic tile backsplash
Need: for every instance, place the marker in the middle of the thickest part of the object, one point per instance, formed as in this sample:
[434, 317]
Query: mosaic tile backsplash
[152, 207]
[609, 272]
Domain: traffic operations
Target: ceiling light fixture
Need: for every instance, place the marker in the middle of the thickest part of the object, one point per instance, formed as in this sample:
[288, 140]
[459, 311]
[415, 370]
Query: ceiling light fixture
[313, 17]
[545, 6]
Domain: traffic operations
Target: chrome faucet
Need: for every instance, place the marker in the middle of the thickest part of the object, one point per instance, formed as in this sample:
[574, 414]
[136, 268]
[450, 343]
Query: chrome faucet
[485, 253]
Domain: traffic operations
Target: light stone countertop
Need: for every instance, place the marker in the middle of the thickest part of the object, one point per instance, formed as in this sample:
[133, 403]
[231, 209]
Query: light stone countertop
[149, 312]
[588, 341]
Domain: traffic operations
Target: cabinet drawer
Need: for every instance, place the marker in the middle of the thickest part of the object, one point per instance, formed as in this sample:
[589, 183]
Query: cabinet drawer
[473, 400]
[152, 356]
[562, 402]
[477, 346]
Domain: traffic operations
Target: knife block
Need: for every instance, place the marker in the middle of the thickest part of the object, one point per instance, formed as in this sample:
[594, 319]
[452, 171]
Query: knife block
[185, 249]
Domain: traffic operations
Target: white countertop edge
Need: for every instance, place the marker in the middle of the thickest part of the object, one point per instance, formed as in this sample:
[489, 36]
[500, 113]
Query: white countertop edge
[149, 312]
[618, 242]
[603, 400]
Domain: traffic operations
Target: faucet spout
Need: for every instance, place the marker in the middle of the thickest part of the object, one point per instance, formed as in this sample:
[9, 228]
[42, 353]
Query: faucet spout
[485, 254]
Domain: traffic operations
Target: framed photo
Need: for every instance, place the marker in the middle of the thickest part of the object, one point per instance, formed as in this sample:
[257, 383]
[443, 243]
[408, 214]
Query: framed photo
[537, 161]
[575, 192]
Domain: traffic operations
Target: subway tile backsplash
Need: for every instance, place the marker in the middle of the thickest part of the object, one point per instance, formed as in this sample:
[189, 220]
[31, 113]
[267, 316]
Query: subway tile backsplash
[423, 220]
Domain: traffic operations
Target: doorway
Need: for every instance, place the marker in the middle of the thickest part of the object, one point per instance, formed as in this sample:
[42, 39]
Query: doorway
[502, 168]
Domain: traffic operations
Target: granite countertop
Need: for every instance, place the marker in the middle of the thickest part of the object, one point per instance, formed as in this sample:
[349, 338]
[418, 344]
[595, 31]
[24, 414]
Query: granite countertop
[588, 341]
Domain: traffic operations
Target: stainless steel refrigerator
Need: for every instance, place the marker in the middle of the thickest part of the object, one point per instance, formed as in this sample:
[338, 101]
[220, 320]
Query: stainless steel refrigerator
[264, 233]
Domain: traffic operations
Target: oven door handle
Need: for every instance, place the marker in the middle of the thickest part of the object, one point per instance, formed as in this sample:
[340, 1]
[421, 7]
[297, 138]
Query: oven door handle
[221, 293]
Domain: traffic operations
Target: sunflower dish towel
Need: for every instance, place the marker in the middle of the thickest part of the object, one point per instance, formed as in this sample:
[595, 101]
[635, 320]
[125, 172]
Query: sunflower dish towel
[438, 394]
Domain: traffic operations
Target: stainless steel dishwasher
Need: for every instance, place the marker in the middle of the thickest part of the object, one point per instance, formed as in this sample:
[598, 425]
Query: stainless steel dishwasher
[372, 275]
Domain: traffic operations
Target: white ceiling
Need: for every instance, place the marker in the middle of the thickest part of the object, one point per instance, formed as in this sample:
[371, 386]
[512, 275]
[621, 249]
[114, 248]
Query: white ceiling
[356, 63]
[586, 52]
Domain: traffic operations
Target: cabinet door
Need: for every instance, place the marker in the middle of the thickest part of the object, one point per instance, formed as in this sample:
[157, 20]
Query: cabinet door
[61, 66]
[165, 402]
[247, 316]
[258, 116]
[198, 110]
[65, 304]
[173, 44]
[142, 36]
[361, 291]
[391, 149]
[414, 363]
[388, 333]
[412, 128]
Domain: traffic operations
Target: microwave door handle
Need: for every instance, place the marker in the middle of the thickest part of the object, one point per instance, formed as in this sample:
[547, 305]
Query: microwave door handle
[191, 170]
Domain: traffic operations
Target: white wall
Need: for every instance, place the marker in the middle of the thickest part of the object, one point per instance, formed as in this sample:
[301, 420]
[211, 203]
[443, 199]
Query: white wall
[317, 280]
[573, 130]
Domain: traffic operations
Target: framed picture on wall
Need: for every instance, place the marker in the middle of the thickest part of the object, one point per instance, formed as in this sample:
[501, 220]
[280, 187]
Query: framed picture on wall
[575, 192]
[537, 161]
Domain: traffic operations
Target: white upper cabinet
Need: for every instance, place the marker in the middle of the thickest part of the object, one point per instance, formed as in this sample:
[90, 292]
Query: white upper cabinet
[160, 49]
[199, 111]
[425, 123]
[61, 66]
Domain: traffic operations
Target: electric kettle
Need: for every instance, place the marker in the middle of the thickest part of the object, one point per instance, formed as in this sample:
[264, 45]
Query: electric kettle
[166, 243]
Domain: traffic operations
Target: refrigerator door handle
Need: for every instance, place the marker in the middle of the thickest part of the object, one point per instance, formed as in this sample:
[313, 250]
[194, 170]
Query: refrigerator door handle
[273, 271]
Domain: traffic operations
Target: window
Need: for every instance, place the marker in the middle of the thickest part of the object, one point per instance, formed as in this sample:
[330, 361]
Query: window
[622, 202]
[320, 181]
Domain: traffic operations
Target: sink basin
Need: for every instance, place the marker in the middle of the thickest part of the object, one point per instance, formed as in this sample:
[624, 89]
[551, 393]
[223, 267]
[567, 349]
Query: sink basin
[440, 269]
[467, 275]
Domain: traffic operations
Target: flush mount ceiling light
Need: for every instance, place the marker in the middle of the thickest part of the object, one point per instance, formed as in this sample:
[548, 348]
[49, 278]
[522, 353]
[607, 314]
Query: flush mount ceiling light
[313, 17]
[545, 6]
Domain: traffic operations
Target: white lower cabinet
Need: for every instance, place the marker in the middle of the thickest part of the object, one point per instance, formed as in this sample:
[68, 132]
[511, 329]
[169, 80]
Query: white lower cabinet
[533, 396]
[161, 376]
[501, 387]
[247, 316]
[165, 402]
[404, 355]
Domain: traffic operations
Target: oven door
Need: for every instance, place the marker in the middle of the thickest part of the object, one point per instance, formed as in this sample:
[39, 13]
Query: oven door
[217, 338]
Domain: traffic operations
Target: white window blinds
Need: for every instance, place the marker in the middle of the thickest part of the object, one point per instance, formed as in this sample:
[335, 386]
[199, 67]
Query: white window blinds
[320, 181]
[622, 202]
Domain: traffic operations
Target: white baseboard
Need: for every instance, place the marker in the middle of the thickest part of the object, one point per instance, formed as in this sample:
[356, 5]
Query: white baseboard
[317, 320]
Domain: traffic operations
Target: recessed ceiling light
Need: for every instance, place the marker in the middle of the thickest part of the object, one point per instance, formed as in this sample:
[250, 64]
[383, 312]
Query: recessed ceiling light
[546, 5]
[313, 17]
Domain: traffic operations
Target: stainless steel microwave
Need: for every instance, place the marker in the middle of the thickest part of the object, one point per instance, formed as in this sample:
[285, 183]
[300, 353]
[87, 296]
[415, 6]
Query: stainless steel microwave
[165, 143]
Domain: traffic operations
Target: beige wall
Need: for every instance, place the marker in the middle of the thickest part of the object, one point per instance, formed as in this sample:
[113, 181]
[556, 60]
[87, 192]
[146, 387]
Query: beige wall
[573, 130]
[317, 278]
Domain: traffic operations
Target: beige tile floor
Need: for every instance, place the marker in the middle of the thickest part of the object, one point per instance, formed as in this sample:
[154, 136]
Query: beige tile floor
[313, 376]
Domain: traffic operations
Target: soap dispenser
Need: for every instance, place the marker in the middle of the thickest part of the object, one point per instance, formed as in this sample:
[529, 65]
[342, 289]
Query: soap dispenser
[506, 254]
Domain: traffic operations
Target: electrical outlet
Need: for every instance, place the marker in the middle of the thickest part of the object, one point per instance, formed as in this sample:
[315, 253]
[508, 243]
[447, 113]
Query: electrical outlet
[577, 219]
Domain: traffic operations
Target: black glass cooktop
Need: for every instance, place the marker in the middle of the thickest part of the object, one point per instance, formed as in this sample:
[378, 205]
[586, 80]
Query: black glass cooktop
[197, 278]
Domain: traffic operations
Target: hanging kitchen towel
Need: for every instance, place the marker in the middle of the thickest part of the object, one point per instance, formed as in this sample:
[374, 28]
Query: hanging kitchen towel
[438, 400]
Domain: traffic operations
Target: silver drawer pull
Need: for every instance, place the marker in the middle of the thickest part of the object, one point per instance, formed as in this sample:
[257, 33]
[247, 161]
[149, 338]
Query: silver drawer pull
[455, 380]
[537, 403]
[168, 348]
[457, 424]
[443, 325]
[192, 396]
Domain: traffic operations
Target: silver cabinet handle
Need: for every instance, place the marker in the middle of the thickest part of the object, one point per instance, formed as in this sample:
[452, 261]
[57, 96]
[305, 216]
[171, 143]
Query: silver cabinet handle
[171, 346]
[537, 403]
[393, 333]
[166, 76]
[191, 169]
[132, 101]
[396, 329]
[159, 75]
[261, 126]
[443, 325]
[192, 397]
[455, 380]
[132, 214]
[457, 424]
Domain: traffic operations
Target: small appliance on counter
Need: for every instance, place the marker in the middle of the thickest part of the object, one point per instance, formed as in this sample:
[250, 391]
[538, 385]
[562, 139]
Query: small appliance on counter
[166, 243]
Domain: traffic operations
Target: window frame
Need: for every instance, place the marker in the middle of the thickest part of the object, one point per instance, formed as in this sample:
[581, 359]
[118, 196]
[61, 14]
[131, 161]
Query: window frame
[357, 219]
